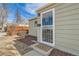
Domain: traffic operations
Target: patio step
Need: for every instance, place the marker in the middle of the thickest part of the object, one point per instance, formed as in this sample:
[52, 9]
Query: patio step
[41, 51]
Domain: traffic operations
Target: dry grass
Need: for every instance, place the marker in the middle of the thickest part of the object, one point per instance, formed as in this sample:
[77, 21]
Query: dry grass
[9, 46]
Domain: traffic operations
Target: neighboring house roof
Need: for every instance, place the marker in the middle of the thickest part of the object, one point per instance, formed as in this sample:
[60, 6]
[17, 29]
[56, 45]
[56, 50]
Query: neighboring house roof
[34, 18]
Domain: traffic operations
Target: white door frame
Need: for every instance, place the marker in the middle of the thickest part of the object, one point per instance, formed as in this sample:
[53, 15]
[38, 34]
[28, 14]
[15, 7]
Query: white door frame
[53, 13]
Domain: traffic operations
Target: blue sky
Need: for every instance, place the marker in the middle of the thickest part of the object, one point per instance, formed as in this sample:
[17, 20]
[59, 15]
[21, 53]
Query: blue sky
[25, 10]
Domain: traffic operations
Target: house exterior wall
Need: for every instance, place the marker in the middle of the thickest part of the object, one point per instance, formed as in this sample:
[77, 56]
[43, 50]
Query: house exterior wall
[33, 28]
[66, 26]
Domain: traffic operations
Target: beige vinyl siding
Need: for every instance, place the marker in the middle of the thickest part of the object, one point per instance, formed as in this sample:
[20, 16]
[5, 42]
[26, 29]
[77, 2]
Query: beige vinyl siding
[32, 28]
[66, 26]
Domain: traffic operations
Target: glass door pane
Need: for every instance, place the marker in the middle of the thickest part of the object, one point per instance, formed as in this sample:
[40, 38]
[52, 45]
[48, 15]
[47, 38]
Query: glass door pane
[47, 35]
[47, 19]
[47, 27]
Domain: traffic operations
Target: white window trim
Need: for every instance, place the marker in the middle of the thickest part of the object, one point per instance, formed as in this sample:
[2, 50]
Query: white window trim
[53, 10]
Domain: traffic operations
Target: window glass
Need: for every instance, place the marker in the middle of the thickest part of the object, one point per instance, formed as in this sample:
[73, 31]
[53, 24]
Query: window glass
[47, 35]
[47, 18]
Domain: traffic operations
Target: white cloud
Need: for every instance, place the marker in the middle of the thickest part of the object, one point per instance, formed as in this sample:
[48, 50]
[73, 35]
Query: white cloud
[31, 7]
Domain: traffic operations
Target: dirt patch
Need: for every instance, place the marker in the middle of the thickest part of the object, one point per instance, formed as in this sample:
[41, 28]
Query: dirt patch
[27, 40]
[57, 52]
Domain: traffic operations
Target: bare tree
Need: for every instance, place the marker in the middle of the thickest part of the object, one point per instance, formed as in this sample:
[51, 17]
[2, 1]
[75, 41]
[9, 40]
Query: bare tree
[18, 16]
[3, 15]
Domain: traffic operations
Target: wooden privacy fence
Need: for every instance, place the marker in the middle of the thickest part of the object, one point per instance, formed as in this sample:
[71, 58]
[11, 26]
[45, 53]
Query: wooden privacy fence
[13, 30]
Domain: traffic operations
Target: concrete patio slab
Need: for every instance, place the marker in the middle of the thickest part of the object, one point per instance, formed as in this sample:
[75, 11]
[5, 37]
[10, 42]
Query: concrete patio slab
[33, 53]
